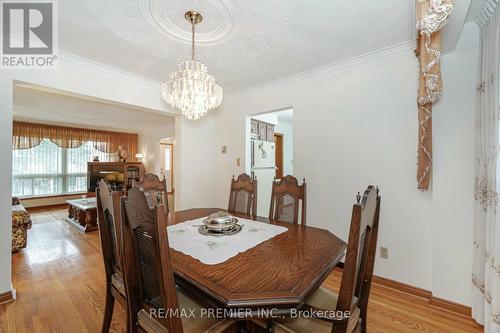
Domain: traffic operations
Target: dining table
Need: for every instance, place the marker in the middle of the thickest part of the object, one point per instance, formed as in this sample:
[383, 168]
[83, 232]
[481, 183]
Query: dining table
[276, 275]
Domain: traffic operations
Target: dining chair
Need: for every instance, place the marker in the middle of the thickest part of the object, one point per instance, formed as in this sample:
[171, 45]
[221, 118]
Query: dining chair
[155, 189]
[243, 195]
[356, 278]
[286, 195]
[108, 212]
[149, 276]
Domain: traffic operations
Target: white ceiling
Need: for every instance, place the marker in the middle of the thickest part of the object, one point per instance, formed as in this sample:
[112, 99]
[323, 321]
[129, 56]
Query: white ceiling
[52, 108]
[243, 42]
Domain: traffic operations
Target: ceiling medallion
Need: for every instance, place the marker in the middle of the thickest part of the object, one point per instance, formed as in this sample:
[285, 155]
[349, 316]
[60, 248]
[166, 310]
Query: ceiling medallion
[191, 88]
[226, 19]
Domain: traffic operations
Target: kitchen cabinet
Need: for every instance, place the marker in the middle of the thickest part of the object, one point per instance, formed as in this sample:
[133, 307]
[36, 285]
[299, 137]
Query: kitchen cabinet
[261, 130]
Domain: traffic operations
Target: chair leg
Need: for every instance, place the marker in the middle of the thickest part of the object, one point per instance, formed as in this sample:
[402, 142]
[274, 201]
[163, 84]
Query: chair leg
[130, 324]
[108, 311]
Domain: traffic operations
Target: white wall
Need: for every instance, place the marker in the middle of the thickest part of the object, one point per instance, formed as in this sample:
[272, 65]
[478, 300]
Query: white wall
[149, 145]
[453, 180]
[270, 118]
[356, 126]
[6, 101]
[287, 131]
[194, 162]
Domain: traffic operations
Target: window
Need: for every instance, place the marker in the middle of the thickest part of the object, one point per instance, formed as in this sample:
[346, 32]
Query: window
[48, 169]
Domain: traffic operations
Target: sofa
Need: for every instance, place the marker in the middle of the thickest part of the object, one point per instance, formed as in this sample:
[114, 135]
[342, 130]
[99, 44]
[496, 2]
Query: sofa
[21, 222]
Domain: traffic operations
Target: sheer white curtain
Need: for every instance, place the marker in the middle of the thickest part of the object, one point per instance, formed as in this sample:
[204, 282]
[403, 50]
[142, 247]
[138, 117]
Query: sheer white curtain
[486, 266]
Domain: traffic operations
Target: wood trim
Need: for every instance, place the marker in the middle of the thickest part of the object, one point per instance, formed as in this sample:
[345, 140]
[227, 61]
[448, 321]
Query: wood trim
[403, 287]
[51, 196]
[422, 295]
[450, 306]
[426, 296]
[46, 207]
[8, 296]
[172, 171]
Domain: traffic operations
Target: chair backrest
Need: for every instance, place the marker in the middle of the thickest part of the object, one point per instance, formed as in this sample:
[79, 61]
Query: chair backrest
[243, 195]
[109, 217]
[285, 199]
[360, 256]
[155, 190]
[149, 278]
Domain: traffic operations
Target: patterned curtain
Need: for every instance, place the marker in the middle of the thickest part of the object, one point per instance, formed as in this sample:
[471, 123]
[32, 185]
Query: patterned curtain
[486, 265]
[431, 16]
[29, 135]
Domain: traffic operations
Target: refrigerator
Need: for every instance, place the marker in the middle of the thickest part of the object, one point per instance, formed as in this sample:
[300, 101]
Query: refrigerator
[264, 170]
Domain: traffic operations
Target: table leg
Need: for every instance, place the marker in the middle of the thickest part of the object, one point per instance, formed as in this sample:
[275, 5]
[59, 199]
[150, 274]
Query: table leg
[90, 220]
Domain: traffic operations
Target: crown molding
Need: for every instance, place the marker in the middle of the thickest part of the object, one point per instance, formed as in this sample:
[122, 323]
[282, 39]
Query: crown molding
[71, 61]
[336, 69]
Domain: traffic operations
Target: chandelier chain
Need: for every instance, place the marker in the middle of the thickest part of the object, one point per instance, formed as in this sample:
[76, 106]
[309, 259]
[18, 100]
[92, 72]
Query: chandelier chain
[193, 23]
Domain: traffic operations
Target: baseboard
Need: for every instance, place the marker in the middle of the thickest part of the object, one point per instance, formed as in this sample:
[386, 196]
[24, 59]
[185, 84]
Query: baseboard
[47, 207]
[457, 308]
[403, 287]
[8, 296]
[422, 295]
[426, 296]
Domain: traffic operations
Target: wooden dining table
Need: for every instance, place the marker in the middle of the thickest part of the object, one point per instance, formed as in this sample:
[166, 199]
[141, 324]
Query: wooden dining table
[277, 274]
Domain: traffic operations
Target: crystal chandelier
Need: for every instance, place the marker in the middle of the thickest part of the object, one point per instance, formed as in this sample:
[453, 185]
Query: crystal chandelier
[190, 88]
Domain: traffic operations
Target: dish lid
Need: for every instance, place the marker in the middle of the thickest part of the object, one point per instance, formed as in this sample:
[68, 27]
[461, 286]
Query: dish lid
[220, 220]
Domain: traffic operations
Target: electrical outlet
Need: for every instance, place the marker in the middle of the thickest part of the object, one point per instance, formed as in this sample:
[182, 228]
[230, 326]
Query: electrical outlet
[238, 162]
[384, 252]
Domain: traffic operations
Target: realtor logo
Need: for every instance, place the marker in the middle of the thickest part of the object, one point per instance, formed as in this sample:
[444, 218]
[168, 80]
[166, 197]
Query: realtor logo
[29, 34]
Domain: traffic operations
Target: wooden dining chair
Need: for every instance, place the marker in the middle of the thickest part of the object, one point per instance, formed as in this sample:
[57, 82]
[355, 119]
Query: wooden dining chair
[155, 189]
[356, 278]
[243, 195]
[108, 212]
[149, 276]
[286, 196]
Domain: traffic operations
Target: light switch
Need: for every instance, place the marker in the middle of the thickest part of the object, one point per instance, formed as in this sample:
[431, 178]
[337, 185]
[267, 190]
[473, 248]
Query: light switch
[238, 162]
[384, 252]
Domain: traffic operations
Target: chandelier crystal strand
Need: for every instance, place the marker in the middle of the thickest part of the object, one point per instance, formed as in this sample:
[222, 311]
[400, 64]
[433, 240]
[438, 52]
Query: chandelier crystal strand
[191, 88]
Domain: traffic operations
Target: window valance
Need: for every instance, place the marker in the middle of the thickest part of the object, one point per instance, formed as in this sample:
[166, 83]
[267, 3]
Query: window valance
[28, 135]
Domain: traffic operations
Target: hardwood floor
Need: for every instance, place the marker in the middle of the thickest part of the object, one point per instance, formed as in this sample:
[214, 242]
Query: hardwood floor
[59, 280]
[390, 310]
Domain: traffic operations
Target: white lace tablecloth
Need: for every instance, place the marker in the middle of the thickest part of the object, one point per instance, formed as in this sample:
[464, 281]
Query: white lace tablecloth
[184, 237]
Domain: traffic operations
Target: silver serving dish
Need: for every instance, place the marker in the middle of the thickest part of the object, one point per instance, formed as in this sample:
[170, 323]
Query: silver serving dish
[204, 230]
[220, 221]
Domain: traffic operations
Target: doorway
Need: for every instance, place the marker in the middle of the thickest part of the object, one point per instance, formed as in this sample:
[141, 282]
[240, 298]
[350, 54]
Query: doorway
[167, 168]
[167, 164]
[269, 152]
